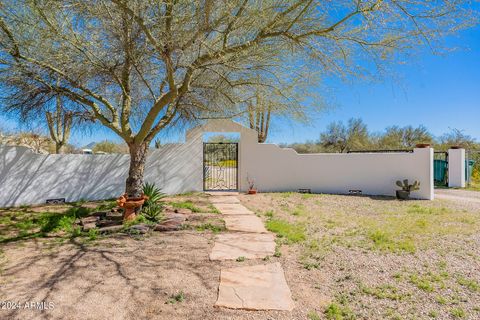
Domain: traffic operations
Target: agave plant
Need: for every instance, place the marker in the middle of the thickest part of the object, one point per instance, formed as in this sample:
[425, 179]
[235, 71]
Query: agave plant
[153, 206]
[154, 194]
[153, 212]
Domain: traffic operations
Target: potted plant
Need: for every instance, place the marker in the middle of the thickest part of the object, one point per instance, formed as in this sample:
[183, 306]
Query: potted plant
[422, 145]
[251, 186]
[404, 194]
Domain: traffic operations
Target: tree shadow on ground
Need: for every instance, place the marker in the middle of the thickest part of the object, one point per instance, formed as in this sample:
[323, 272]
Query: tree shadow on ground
[24, 224]
[121, 276]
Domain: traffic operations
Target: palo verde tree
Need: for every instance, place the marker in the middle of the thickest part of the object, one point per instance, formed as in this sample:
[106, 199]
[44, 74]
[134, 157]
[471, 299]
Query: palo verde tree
[139, 65]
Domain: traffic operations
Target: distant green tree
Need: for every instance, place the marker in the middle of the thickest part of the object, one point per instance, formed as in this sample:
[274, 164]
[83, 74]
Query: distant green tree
[343, 138]
[407, 137]
[456, 137]
[354, 136]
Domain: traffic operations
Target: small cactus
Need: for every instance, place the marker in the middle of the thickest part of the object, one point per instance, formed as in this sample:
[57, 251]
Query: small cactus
[408, 187]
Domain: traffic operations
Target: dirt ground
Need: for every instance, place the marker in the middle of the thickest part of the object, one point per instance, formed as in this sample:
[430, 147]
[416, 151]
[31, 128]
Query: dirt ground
[164, 275]
[119, 278]
[333, 272]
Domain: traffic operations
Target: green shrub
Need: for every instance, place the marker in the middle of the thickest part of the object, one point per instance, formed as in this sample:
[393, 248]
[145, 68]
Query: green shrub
[213, 209]
[76, 232]
[55, 222]
[66, 223]
[269, 214]
[471, 284]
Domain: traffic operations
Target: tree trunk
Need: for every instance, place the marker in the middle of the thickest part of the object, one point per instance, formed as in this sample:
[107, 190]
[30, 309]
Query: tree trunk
[58, 147]
[138, 156]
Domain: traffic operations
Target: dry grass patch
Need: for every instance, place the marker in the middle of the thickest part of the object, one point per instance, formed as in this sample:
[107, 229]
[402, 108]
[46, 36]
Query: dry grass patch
[376, 257]
[381, 224]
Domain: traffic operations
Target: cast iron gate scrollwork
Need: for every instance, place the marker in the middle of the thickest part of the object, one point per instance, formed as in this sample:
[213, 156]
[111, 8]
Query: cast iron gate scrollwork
[220, 166]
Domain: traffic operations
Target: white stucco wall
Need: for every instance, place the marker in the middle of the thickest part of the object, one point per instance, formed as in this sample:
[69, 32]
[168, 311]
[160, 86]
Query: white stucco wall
[276, 169]
[456, 168]
[29, 178]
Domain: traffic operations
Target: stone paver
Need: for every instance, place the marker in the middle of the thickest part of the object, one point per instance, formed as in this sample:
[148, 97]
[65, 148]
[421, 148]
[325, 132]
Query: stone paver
[232, 209]
[224, 199]
[244, 223]
[260, 287]
[230, 246]
[222, 193]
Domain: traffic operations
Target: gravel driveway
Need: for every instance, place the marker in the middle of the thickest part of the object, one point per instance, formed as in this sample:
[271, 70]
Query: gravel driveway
[471, 199]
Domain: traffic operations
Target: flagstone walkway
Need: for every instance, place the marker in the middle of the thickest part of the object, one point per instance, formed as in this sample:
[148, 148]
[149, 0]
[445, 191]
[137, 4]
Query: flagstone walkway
[257, 287]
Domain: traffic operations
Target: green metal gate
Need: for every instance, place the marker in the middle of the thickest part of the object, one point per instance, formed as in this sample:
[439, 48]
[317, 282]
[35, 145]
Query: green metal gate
[440, 168]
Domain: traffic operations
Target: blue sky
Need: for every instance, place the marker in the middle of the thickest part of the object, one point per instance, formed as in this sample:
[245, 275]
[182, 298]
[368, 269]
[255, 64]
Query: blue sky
[439, 92]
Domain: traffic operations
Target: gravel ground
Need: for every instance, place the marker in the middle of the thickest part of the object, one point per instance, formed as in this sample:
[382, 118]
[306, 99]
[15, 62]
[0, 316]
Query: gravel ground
[373, 284]
[469, 199]
[124, 278]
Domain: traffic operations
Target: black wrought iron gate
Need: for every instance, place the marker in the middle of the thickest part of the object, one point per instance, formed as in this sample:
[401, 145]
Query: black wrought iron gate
[220, 166]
